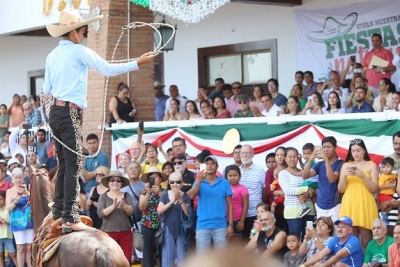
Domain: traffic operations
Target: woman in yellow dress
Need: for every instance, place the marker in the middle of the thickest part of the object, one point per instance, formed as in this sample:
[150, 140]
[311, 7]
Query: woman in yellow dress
[359, 182]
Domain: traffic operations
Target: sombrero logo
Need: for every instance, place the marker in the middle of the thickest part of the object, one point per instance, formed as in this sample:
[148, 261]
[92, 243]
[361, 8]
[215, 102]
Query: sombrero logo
[333, 28]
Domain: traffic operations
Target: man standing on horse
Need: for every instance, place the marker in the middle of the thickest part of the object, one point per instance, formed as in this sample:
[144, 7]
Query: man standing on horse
[66, 80]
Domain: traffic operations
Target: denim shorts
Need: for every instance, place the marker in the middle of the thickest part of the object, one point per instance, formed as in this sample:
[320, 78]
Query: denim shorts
[8, 243]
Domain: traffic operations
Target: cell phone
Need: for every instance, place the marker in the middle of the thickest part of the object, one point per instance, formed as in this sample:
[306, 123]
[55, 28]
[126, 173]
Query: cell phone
[357, 70]
[202, 166]
[318, 147]
[309, 225]
[141, 125]
[352, 168]
[151, 181]
[328, 76]
[373, 262]
[133, 111]
[353, 58]
[374, 66]
[310, 99]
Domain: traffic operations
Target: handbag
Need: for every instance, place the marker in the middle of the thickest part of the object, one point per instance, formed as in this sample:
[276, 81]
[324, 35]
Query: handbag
[159, 235]
[137, 236]
[188, 221]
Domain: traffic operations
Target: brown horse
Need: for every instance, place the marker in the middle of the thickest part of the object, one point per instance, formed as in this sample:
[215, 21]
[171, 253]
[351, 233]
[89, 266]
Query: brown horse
[89, 249]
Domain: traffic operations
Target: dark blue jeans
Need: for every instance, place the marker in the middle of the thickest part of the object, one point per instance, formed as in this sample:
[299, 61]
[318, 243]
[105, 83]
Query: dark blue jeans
[65, 125]
[298, 225]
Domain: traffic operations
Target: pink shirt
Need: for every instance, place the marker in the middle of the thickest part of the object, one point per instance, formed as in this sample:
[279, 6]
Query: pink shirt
[232, 106]
[372, 76]
[237, 200]
[394, 256]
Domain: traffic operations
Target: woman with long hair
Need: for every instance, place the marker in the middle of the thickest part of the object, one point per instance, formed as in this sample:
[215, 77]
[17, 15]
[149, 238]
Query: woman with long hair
[123, 161]
[396, 101]
[5, 146]
[334, 104]
[257, 94]
[358, 182]
[191, 110]
[314, 105]
[205, 108]
[297, 90]
[384, 100]
[291, 180]
[121, 107]
[173, 113]
[201, 95]
[293, 105]
[220, 111]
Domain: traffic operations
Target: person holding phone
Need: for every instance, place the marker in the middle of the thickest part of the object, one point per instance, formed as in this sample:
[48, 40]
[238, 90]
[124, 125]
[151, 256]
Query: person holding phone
[121, 107]
[148, 204]
[314, 105]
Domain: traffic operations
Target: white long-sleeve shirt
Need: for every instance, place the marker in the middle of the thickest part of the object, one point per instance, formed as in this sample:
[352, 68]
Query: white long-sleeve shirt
[396, 62]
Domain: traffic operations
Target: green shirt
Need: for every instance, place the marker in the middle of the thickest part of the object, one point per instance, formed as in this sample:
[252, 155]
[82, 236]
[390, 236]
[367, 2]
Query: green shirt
[3, 120]
[374, 251]
[239, 114]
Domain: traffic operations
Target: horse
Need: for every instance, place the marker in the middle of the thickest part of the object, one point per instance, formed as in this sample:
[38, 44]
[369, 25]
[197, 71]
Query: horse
[81, 248]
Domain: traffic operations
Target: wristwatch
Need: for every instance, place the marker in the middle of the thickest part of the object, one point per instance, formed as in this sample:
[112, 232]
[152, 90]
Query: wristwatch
[231, 224]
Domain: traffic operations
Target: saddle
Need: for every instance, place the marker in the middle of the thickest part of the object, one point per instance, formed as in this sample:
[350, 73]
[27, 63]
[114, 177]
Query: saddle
[48, 238]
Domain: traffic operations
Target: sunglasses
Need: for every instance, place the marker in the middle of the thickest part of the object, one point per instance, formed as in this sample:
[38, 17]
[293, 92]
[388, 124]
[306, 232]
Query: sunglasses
[175, 182]
[100, 174]
[244, 102]
[178, 162]
[355, 142]
[115, 180]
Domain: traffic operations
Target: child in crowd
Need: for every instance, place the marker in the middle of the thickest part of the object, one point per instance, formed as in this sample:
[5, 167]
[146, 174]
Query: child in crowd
[387, 185]
[270, 161]
[240, 199]
[311, 182]
[261, 208]
[278, 200]
[292, 257]
[6, 238]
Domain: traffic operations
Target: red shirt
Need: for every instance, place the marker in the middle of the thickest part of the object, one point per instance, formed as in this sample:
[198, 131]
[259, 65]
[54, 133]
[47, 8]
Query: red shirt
[5, 186]
[372, 76]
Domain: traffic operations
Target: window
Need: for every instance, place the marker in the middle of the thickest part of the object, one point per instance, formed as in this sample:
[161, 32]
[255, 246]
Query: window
[36, 80]
[249, 63]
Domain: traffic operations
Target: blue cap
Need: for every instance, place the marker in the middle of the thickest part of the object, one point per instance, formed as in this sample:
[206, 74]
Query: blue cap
[346, 220]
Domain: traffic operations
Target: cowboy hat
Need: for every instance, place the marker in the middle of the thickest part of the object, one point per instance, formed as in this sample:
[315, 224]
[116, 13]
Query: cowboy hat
[69, 20]
[145, 177]
[105, 179]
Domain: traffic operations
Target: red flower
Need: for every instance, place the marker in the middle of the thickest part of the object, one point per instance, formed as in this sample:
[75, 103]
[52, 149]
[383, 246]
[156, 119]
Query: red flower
[145, 212]
[147, 223]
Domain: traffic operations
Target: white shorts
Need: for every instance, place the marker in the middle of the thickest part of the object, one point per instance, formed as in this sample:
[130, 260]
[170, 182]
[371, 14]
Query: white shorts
[23, 237]
[333, 213]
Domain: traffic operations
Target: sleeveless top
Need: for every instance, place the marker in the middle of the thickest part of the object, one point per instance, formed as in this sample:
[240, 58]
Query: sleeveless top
[17, 116]
[93, 209]
[21, 216]
[264, 242]
[6, 151]
[123, 110]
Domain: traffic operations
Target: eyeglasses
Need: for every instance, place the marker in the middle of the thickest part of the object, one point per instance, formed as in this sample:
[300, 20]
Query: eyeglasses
[271, 85]
[100, 174]
[242, 102]
[355, 142]
[175, 182]
[151, 151]
[115, 180]
[237, 87]
[178, 162]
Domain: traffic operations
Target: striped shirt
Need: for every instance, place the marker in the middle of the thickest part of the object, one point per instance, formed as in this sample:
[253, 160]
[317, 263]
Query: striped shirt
[393, 213]
[291, 186]
[254, 180]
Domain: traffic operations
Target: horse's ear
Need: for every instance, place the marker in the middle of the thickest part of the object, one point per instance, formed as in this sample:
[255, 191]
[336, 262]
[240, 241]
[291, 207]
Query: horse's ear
[53, 172]
[33, 169]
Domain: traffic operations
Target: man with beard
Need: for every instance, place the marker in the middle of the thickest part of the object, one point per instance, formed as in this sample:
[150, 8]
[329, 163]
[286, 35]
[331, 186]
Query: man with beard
[378, 247]
[362, 106]
[345, 247]
[42, 145]
[253, 178]
[270, 240]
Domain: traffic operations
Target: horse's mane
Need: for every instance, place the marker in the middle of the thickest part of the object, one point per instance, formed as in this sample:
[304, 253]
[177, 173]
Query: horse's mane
[42, 193]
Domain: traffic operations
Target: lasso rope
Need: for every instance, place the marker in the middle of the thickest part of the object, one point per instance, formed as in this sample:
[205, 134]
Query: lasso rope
[47, 100]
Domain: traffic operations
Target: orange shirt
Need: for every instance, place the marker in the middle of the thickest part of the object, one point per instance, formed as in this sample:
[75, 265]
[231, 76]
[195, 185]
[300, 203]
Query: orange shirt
[372, 76]
[394, 255]
[17, 116]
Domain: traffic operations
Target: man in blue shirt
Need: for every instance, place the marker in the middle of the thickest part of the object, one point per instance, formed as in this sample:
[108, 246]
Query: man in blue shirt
[159, 101]
[217, 91]
[66, 78]
[328, 171]
[345, 247]
[362, 106]
[215, 195]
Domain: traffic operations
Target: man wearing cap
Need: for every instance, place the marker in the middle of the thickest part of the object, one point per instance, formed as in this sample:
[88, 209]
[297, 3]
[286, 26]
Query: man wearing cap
[66, 80]
[253, 178]
[345, 247]
[214, 212]
[159, 101]
[244, 107]
[174, 94]
[179, 162]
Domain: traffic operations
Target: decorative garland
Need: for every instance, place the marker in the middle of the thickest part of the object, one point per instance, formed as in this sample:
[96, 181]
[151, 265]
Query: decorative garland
[75, 4]
[61, 5]
[47, 5]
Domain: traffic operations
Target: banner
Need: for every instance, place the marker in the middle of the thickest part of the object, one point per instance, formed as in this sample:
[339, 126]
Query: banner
[326, 38]
[265, 138]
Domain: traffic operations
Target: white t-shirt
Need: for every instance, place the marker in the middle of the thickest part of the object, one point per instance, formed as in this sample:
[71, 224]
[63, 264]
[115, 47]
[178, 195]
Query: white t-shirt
[343, 98]
[272, 112]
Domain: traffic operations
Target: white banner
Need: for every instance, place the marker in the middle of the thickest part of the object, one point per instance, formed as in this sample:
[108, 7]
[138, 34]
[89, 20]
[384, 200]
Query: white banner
[326, 38]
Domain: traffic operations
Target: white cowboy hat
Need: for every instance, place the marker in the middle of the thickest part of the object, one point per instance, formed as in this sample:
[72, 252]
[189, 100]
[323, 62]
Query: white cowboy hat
[69, 20]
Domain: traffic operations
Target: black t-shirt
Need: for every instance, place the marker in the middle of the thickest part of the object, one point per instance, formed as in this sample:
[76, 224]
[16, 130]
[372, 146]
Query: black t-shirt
[188, 180]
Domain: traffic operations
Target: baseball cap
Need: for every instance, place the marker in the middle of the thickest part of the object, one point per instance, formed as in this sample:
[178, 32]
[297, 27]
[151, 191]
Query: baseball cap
[243, 97]
[179, 156]
[3, 161]
[345, 219]
[212, 158]
[12, 161]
